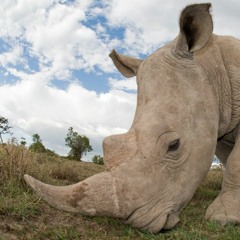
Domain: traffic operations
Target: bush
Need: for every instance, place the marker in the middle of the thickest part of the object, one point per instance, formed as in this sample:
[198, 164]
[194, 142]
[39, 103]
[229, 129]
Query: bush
[97, 159]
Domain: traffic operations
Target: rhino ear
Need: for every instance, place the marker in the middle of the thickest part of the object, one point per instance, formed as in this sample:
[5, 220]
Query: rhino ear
[127, 66]
[196, 27]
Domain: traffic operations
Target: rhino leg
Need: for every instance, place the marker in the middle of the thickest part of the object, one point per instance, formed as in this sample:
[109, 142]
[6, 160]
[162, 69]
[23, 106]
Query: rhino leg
[223, 151]
[226, 207]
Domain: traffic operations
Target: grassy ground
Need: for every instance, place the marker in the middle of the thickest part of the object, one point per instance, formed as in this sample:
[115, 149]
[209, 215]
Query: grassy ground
[23, 216]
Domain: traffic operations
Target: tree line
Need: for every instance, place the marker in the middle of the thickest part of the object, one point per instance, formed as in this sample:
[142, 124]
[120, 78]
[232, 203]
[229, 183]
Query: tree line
[79, 144]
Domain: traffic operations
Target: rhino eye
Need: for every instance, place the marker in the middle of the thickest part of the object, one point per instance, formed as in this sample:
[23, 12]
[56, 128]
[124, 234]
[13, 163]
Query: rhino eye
[174, 145]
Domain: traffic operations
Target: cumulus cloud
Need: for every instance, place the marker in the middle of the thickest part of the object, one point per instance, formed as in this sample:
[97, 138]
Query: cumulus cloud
[125, 84]
[34, 107]
[55, 34]
[11, 57]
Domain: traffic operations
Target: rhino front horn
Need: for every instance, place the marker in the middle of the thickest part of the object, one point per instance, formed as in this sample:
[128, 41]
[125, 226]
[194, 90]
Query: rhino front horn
[93, 196]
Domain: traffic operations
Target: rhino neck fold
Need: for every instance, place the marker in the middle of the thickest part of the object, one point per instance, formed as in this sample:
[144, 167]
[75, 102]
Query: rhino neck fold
[214, 69]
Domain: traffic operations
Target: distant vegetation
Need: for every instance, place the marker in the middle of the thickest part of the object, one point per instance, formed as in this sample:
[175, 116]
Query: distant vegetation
[4, 127]
[98, 159]
[79, 144]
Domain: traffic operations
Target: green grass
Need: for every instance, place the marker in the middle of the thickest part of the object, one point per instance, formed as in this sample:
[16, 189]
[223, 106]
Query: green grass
[23, 216]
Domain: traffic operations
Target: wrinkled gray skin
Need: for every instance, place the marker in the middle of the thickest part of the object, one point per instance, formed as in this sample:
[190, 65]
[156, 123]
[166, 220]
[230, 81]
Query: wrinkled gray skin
[187, 109]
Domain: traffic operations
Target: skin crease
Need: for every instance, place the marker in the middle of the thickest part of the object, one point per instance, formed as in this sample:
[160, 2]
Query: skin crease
[187, 109]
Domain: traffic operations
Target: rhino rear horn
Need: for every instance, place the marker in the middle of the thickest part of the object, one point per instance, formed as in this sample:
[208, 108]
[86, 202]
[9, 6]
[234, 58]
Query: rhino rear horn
[196, 27]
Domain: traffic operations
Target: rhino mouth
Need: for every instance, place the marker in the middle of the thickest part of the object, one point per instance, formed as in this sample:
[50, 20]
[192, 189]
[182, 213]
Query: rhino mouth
[171, 221]
[162, 221]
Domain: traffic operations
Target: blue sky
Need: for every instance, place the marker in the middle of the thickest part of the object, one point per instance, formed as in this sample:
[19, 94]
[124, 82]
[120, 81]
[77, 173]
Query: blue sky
[54, 66]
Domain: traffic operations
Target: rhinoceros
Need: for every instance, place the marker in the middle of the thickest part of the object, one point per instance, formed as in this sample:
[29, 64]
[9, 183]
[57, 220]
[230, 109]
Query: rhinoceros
[188, 109]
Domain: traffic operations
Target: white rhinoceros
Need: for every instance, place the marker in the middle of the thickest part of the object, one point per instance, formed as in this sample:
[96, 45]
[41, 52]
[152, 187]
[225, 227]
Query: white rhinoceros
[187, 110]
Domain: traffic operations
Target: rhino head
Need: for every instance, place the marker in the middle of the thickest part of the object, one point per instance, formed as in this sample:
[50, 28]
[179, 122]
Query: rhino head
[153, 170]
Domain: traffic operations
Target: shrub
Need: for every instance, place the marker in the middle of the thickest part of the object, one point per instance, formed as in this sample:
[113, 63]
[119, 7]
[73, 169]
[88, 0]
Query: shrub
[97, 159]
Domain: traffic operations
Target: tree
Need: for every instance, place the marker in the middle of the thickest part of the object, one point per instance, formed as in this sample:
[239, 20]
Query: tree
[97, 159]
[23, 141]
[37, 145]
[36, 138]
[79, 144]
[4, 127]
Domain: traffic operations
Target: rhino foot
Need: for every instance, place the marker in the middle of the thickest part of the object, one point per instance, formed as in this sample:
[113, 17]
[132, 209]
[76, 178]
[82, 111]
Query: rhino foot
[225, 209]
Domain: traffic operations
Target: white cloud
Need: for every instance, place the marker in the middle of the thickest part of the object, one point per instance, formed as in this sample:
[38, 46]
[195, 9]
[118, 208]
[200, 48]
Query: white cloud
[55, 34]
[15, 15]
[147, 22]
[11, 57]
[125, 84]
[34, 107]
